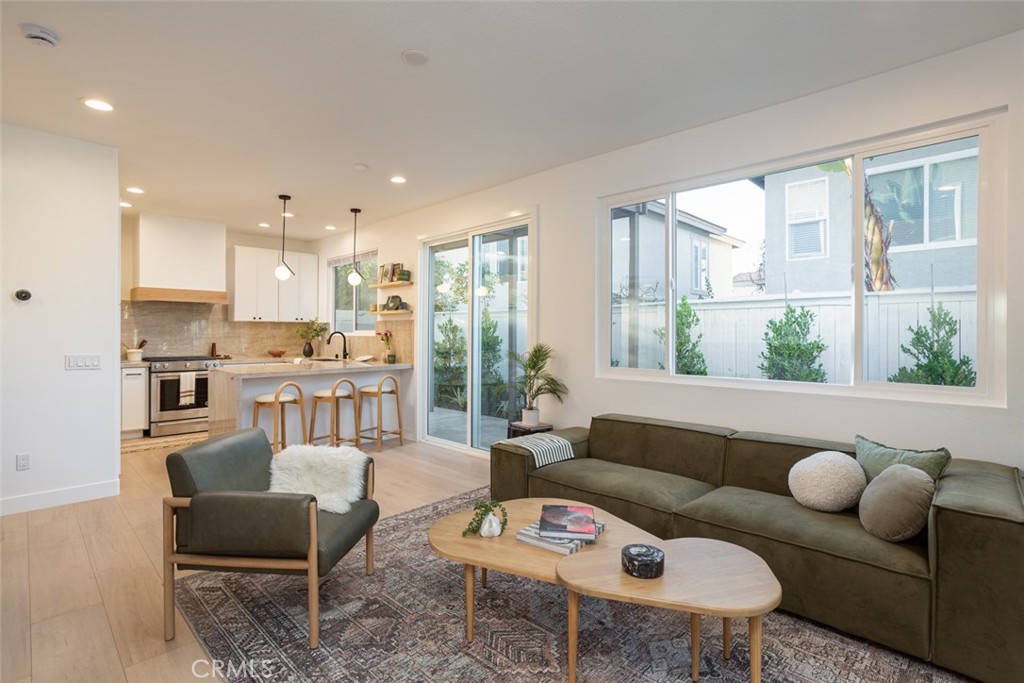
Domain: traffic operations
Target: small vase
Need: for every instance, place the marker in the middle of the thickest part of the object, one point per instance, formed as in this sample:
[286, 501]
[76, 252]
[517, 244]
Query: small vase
[391, 357]
[491, 526]
[307, 350]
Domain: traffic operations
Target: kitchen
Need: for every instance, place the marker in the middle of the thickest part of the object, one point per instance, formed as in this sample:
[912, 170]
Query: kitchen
[187, 293]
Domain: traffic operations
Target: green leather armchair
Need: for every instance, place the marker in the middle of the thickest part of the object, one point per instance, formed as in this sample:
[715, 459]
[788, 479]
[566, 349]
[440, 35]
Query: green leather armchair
[222, 518]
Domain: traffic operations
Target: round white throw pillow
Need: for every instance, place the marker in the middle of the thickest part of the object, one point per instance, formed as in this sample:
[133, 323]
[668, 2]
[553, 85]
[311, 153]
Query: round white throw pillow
[829, 481]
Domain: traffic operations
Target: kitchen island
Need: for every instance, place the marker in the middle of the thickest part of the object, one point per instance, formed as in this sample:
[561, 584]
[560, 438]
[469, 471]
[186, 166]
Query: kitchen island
[234, 388]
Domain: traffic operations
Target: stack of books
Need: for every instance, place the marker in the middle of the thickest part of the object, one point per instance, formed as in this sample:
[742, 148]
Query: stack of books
[562, 528]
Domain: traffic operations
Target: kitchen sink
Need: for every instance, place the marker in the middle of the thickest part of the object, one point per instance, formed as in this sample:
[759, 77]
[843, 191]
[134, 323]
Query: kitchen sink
[327, 360]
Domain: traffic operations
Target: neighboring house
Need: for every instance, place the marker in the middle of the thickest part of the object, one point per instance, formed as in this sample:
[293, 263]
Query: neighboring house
[927, 197]
[703, 254]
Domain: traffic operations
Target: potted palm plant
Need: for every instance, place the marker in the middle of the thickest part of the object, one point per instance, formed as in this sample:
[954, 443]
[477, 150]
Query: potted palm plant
[535, 381]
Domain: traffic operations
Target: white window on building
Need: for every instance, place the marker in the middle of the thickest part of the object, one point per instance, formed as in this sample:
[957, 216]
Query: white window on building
[927, 195]
[352, 304]
[699, 273]
[806, 218]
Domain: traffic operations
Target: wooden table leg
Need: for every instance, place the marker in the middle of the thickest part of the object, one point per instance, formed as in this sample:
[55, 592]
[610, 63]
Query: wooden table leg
[470, 580]
[726, 636]
[755, 649]
[694, 646]
[574, 625]
[483, 577]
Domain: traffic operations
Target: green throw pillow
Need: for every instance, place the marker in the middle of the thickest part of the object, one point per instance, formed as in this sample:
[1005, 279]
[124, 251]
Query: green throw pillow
[875, 457]
[895, 505]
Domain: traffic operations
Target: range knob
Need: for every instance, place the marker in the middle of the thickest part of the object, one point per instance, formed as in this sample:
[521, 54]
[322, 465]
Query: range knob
[187, 364]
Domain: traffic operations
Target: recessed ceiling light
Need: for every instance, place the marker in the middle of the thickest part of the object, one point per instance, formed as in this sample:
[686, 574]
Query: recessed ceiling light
[98, 105]
[360, 167]
[135, 190]
[415, 57]
[264, 225]
[329, 227]
[398, 180]
[288, 214]
[126, 205]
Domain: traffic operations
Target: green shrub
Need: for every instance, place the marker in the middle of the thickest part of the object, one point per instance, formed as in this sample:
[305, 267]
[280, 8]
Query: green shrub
[689, 359]
[790, 353]
[931, 348]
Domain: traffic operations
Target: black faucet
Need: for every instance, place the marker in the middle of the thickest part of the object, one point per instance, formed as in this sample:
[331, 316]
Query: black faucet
[344, 344]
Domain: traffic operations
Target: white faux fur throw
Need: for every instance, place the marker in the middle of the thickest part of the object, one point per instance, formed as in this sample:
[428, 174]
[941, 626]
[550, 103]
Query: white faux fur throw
[333, 475]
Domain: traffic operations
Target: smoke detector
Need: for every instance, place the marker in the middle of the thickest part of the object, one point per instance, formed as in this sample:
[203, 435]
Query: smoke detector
[39, 35]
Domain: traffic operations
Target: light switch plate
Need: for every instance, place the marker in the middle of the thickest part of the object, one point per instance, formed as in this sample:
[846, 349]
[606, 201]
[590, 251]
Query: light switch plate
[81, 361]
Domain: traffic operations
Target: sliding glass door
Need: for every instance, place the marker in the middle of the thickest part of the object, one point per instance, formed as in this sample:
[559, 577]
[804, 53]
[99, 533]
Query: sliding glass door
[478, 308]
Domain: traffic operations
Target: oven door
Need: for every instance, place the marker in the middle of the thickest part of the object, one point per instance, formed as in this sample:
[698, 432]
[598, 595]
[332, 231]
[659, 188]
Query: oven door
[165, 400]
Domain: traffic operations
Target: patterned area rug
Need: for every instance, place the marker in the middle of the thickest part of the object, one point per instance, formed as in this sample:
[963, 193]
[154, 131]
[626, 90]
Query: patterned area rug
[161, 442]
[407, 623]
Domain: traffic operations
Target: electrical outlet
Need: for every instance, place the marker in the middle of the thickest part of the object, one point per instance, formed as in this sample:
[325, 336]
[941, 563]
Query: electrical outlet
[23, 461]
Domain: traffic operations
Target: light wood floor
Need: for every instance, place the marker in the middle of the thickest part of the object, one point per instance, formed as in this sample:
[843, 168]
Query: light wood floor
[80, 595]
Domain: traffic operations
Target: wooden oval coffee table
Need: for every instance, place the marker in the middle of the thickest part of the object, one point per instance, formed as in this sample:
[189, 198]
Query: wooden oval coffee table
[505, 554]
[702, 577]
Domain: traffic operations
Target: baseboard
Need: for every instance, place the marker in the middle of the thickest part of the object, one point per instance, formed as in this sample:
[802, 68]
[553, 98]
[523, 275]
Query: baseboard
[54, 497]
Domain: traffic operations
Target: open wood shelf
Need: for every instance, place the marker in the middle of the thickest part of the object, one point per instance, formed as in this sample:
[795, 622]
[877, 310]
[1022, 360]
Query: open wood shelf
[408, 312]
[396, 283]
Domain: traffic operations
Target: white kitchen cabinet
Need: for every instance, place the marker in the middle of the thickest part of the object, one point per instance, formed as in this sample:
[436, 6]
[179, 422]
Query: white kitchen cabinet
[296, 296]
[134, 401]
[254, 296]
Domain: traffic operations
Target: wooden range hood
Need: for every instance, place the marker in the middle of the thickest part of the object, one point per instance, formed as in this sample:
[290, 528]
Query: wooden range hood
[192, 296]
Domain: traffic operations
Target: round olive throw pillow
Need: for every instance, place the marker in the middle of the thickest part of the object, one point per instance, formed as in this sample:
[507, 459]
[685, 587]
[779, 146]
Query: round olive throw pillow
[895, 504]
[828, 481]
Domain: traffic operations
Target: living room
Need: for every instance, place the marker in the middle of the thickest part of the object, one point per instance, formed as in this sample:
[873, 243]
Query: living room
[61, 241]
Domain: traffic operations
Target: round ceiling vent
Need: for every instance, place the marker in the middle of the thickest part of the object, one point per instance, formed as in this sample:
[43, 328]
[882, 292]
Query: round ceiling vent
[39, 35]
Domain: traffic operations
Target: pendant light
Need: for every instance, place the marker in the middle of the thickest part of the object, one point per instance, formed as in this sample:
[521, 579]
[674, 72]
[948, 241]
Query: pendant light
[354, 278]
[283, 271]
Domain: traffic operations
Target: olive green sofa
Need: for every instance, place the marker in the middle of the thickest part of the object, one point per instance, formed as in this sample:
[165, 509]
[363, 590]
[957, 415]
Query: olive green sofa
[953, 595]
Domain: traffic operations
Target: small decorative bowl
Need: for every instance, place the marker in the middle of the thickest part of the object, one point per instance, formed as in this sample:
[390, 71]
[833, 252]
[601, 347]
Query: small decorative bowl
[276, 353]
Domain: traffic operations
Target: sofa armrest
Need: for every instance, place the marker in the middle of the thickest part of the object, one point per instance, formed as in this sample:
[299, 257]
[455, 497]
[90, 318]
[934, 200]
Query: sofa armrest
[511, 465]
[976, 547]
[250, 524]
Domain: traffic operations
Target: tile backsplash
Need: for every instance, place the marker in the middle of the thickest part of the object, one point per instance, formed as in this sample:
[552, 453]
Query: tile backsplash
[184, 329]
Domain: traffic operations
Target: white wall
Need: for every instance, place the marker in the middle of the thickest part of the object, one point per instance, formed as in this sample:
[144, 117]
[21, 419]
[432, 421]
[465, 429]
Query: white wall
[60, 237]
[984, 77]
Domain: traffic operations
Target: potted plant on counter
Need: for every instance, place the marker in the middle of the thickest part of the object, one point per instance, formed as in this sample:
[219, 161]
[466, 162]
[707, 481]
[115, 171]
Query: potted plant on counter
[535, 380]
[389, 353]
[310, 331]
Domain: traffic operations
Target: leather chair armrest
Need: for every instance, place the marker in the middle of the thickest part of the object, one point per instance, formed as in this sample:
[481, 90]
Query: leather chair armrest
[250, 524]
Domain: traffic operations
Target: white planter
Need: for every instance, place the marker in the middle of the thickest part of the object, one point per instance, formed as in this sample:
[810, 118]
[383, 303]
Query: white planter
[531, 417]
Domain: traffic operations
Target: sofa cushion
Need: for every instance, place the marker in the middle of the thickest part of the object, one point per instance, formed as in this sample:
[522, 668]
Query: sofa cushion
[783, 519]
[760, 461]
[896, 503]
[875, 457]
[643, 497]
[828, 481]
[688, 450]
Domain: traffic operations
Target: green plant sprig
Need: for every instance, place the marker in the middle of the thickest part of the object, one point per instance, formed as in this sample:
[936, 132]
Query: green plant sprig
[484, 508]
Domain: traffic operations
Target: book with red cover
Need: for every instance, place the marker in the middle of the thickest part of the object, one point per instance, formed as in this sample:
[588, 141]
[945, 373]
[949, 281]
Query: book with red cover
[568, 521]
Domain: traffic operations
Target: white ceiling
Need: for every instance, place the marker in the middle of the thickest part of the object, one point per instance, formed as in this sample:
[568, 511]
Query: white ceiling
[221, 106]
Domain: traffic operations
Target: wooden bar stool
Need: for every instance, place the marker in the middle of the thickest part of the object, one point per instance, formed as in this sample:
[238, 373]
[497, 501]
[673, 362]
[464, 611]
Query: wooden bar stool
[277, 401]
[379, 390]
[332, 397]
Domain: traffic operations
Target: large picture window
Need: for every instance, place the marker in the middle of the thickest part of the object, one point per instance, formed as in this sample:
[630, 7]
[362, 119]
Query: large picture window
[758, 283]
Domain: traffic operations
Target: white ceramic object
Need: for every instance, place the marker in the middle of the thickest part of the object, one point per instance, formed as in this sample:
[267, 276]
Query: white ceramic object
[531, 417]
[133, 355]
[491, 526]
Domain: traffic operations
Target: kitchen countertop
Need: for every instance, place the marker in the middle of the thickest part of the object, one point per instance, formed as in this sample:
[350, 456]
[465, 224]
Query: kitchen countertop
[281, 369]
[135, 364]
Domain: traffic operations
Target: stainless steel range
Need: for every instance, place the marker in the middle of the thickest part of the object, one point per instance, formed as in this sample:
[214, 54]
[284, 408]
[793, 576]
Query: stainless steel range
[179, 394]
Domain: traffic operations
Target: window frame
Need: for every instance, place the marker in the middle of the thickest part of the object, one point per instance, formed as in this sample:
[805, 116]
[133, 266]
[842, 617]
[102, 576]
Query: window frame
[333, 264]
[823, 224]
[991, 288]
